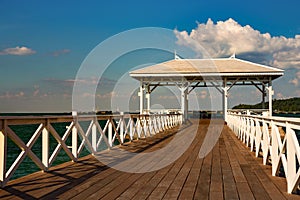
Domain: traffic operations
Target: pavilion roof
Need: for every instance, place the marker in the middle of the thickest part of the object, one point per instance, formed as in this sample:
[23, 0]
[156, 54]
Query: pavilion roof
[193, 68]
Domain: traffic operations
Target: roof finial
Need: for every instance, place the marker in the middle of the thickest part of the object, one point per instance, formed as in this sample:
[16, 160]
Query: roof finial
[176, 57]
[233, 55]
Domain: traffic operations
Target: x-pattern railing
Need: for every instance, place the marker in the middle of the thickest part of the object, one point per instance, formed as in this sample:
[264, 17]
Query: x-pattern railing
[275, 139]
[108, 130]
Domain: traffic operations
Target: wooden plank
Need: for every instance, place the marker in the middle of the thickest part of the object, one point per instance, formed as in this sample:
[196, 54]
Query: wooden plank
[258, 190]
[135, 187]
[174, 173]
[146, 190]
[244, 191]
[216, 185]
[202, 189]
[78, 188]
[189, 187]
[230, 190]
[175, 188]
[236, 159]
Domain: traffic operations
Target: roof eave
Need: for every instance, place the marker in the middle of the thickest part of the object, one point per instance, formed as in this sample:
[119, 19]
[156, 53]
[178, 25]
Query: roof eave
[206, 74]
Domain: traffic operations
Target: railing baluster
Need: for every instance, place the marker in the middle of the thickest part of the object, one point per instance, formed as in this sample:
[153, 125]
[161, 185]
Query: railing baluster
[3, 152]
[121, 131]
[131, 131]
[45, 146]
[94, 135]
[110, 134]
[75, 142]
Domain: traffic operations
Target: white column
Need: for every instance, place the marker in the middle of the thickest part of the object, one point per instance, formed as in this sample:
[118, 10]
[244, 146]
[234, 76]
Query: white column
[225, 103]
[263, 95]
[271, 93]
[148, 99]
[184, 101]
[141, 95]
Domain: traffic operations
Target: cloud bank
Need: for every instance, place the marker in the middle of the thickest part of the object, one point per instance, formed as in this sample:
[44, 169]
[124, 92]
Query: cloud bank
[224, 38]
[17, 51]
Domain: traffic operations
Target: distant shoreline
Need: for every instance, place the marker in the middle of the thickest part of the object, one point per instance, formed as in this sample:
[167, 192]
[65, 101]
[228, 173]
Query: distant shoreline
[285, 106]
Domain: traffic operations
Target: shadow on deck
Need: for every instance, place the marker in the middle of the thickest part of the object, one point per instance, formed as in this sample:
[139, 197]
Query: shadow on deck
[229, 171]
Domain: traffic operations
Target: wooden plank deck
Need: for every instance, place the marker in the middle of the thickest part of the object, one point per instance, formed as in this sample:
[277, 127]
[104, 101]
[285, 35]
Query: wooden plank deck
[229, 171]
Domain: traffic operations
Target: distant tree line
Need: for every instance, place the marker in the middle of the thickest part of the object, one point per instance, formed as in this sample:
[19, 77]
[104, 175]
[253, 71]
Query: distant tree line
[285, 105]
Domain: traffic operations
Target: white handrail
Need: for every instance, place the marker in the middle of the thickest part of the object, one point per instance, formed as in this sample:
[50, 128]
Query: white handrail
[278, 147]
[116, 128]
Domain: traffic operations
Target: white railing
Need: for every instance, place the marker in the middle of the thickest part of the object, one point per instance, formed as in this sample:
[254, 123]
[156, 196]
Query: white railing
[275, 139]
[93, 132]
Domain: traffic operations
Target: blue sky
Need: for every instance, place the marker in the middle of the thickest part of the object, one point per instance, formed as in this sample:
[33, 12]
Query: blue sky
[56, 36]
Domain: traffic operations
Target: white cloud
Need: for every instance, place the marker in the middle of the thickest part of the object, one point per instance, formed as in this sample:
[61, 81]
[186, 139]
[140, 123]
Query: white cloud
[60, 52]
[295, 81]
[279, 95]
[9, 95]
[17, 51]
[226, 37]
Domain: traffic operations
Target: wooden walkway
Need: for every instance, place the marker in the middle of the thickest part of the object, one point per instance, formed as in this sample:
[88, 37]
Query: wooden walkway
[229, 171]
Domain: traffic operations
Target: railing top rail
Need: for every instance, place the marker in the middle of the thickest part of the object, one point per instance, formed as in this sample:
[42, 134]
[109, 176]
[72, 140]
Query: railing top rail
[80, 116]
[273, 118]
[31, 119]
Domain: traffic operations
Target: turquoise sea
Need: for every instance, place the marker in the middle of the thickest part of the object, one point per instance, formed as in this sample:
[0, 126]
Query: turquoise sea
[26, 131]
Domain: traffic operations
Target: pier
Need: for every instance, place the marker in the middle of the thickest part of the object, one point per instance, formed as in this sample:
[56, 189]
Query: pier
[232, 170]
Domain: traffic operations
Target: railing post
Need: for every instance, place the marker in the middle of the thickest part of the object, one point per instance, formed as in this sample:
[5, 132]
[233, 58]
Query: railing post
[3, 152]
[131, 129]
[110, 132]
[145, 126]
[156, 124]
[150, 125]
[94, 135]
[139, 127]
[291, 160]
[275, 156]
[122, 128]
[75, 136]
[74, 142]
[45, 146]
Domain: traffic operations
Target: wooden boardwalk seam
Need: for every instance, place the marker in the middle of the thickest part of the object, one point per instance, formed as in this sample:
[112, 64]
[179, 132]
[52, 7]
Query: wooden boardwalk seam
[229, 171]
